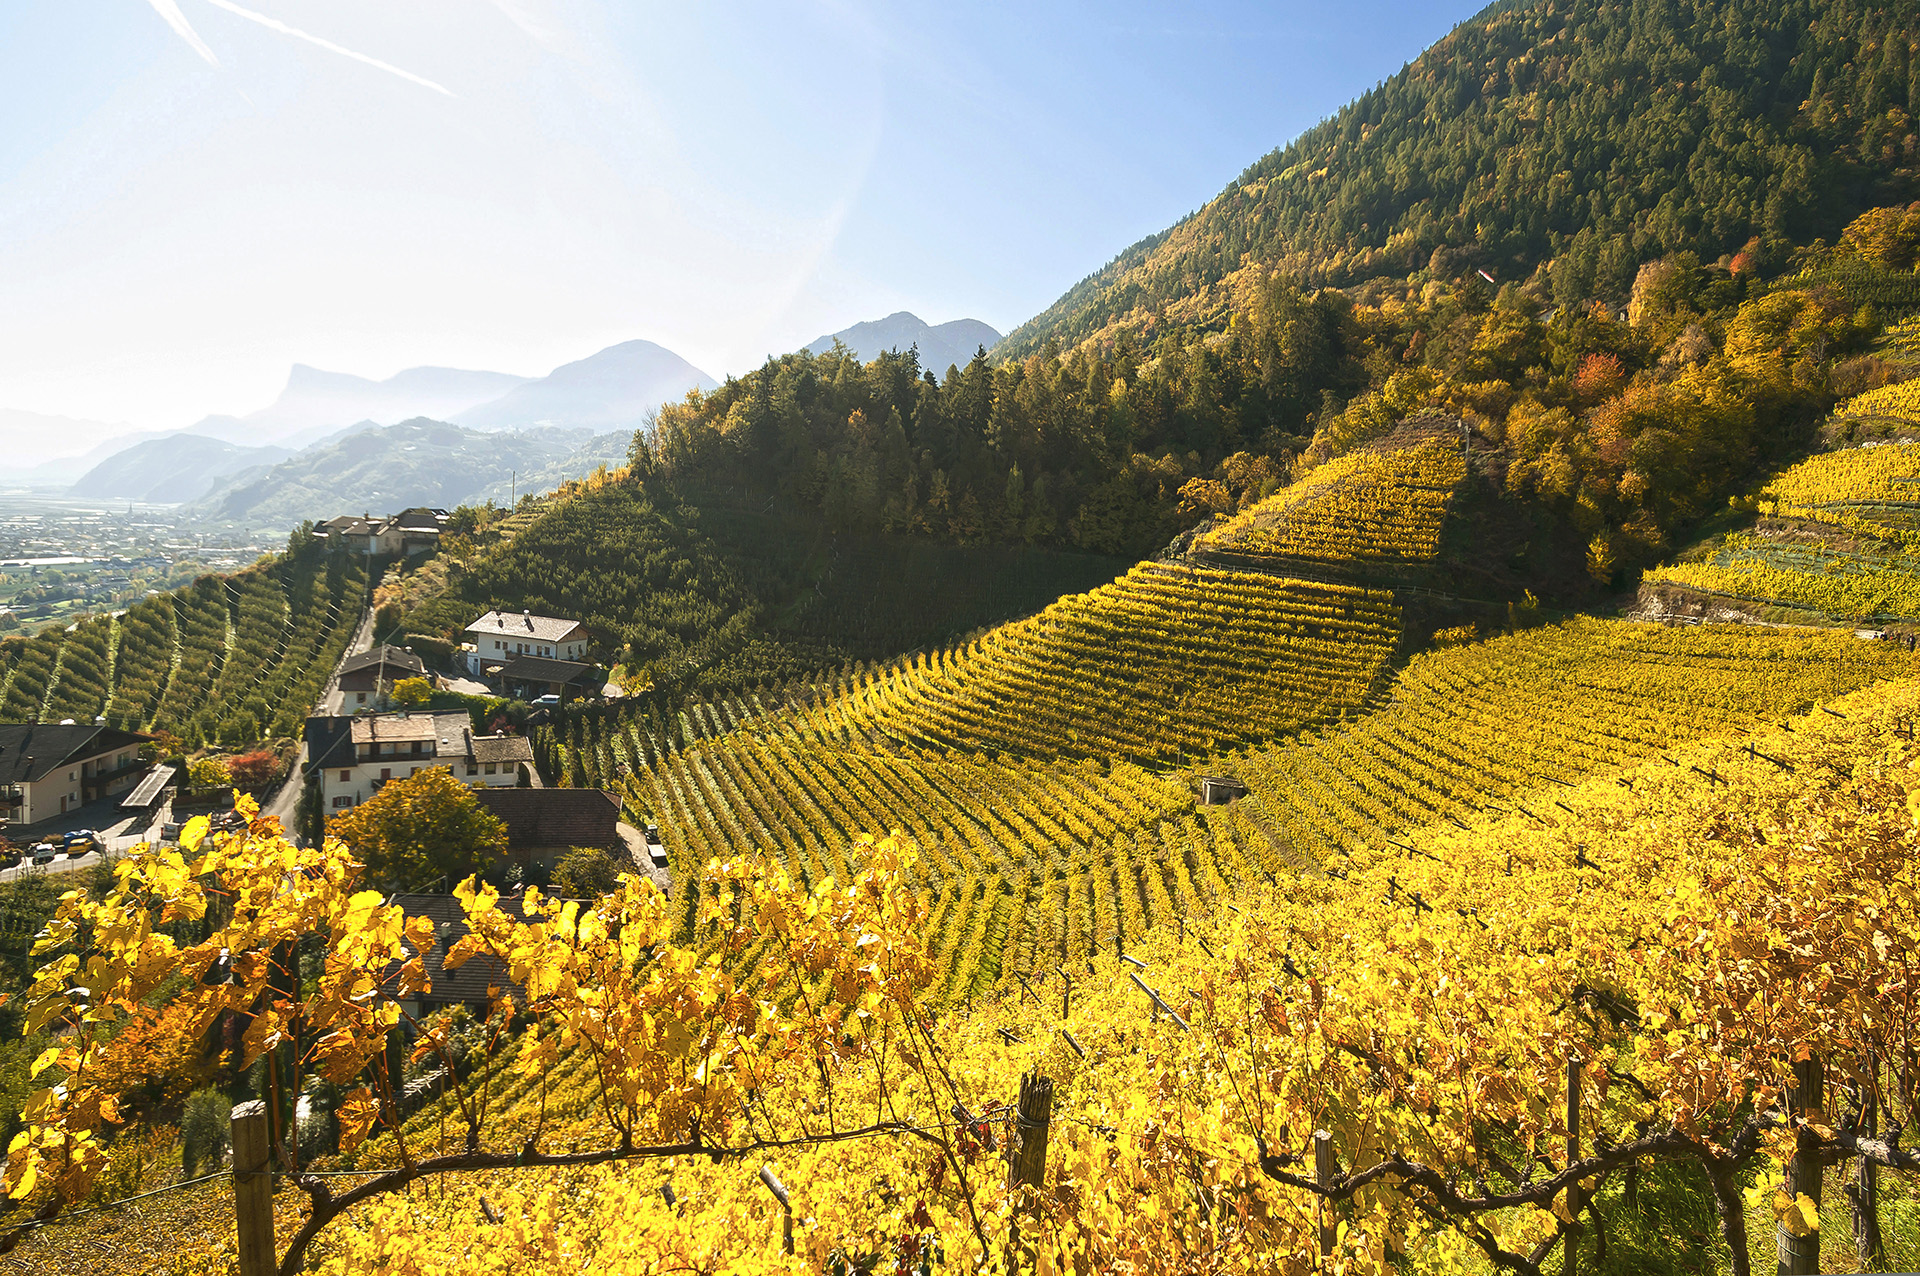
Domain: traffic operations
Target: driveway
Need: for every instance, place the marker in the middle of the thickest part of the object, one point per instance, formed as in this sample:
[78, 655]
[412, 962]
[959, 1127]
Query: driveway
[281, 805]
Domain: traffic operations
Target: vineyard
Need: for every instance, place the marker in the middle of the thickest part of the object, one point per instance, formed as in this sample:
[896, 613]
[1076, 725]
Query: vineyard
[228, 659]
[1835, 582]
[1841, 537]
[1031, 862]
[1370, 506]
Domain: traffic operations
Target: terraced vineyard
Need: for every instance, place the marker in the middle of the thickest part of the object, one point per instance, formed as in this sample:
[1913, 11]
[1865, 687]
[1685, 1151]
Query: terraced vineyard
[1031, 863]
[1372, 506]
[229, 658]
[1164, 662]
[1470, 727]
[1842, 538]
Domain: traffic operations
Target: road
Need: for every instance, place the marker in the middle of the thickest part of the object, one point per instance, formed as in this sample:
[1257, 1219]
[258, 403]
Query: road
[281, 805]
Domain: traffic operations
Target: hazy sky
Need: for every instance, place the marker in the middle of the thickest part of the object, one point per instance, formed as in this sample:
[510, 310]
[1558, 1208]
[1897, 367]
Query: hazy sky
[195, 194]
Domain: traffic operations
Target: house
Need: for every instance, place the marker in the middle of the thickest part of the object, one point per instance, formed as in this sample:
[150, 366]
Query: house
[368, 678]
[1220, 790]
[352, 758]
[350, 535]
[471, 983]
[46, 770]
[499, 636]
[418, 529]
[544, 824]
[411, 531]
[530, 677]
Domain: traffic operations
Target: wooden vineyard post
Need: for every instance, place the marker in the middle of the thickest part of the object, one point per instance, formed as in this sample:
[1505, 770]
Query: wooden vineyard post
[1323, 1172]
[1572, 1264]
[1027, 1150]
[779, 1190]
[1800, 1255]
[1865, 1189]
[253, 1188]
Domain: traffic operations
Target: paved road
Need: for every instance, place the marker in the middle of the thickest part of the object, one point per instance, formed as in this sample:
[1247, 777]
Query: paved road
[281, 805]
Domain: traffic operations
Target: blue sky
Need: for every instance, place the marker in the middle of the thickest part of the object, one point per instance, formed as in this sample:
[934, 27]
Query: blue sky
[195, 194]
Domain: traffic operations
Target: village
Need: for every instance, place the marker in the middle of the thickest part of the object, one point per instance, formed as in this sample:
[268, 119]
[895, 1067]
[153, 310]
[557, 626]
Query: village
[78, 794]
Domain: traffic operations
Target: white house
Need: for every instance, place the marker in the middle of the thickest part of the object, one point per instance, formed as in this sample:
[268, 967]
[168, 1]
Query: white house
[497, 637]
[354, 757]
[49, 770]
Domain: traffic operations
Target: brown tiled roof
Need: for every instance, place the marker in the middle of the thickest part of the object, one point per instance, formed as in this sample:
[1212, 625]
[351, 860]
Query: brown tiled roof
[502, 748]
[555, 817]
[543, 669]
[401, 728]
[471, 981]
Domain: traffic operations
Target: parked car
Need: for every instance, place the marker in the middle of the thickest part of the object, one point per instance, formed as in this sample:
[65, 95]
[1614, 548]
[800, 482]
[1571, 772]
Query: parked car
[80, 841]
[548, 701]
[44, 852]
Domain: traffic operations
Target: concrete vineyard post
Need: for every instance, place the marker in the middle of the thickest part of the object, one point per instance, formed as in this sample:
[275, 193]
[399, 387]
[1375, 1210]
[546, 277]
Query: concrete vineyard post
[1324, 1170]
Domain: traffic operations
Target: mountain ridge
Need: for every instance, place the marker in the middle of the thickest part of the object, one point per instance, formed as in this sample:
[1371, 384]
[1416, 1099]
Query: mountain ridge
[942, 346]
[1560, 142]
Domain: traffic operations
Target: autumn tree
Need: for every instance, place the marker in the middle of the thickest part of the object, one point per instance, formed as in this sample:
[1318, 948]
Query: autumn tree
[421, 827]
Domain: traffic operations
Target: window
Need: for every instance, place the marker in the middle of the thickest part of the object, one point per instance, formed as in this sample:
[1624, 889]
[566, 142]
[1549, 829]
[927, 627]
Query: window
[473, 768]
[361, 698]
[342, 801]
[386, 773]
[492, 768]
[345, 776]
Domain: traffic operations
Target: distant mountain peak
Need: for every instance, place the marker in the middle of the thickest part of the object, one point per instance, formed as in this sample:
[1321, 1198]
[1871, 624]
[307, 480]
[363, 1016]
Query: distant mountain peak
[612, 389]
[941, 346]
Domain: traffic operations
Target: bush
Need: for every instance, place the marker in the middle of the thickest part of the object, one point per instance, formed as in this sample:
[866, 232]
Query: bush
[208, 773]
[412, 692]
[254, 769]
[586, 872]
[205, 1129]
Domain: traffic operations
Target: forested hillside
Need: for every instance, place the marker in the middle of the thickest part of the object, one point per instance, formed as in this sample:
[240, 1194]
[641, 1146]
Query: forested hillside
[1568, 141]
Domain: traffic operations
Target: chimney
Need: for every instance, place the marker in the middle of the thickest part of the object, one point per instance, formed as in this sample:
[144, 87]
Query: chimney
[529, 616]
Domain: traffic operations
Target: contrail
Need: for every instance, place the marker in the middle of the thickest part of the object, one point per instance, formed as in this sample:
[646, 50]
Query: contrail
[274, 24]
[170, 11]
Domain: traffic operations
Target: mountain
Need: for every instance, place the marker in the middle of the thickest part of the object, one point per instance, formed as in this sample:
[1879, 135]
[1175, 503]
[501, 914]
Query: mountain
[39, 450]
[381, 469]
[947, 345]
[316, 401]
[1580, 138]
[171, 470]
[611, 390]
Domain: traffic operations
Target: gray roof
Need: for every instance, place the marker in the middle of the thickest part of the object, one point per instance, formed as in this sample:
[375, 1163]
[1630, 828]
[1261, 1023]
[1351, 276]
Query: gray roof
[525, 627]
[32, 751]
[545, 669]
[147, 792]
[392, 657]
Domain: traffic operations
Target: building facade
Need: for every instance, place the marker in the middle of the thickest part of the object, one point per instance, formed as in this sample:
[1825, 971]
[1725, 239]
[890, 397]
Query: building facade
[497, 637]
[354, 758]
[47, 771]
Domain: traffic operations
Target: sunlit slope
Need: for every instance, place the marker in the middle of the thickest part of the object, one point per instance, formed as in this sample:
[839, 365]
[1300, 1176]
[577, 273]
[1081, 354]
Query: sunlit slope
[1468, 728]
[227, 658]
[1272, 621]
[1840, 536]
[1029, 864]
[1370, 508]
[1166, 661]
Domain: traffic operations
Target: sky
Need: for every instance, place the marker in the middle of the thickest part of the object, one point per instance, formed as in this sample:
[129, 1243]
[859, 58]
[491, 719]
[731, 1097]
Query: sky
[197, 194]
